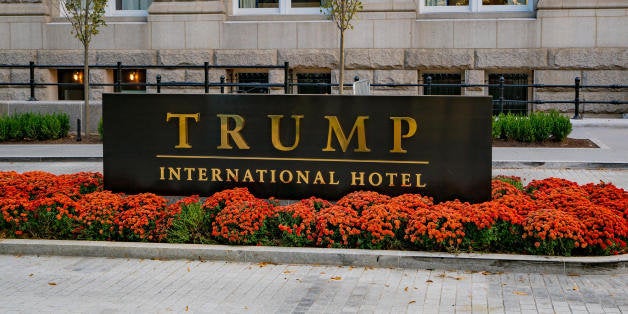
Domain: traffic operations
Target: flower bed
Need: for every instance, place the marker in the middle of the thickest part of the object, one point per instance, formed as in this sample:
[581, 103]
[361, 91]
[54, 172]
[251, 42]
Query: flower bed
[550, 217]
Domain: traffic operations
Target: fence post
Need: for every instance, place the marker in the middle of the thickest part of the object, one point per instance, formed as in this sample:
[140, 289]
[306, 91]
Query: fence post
[501, 94]
[158, 79]
[31, 80]
[222, 82]
[119, 77]
[78, 130]
[286, 87]
[429, 86]
[577, 99]
[206, 68]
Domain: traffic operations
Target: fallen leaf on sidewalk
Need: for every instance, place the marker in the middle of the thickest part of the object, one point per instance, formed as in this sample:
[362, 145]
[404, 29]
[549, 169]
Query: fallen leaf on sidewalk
[405, 289]
[287, 272]
[30, 275]
[429, 281]
[336, 278]
[52, 283]
[411, 302]
[575, 287]
[520, 293]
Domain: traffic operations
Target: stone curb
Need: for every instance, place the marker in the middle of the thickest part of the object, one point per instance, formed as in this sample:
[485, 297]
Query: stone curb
[501, 164]
[51, 159]
[558, 165]
[321, 256]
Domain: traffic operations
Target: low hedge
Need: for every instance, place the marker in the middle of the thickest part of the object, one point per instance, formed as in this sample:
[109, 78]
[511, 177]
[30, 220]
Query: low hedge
[537, 127]
[34, 126]
[550, 217]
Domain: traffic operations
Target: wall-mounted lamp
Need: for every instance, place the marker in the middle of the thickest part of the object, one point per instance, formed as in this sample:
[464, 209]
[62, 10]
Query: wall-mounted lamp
[77, 76]
[133, 76]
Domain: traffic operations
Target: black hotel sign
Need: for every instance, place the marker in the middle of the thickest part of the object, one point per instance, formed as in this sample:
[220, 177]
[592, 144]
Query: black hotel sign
[296, 146]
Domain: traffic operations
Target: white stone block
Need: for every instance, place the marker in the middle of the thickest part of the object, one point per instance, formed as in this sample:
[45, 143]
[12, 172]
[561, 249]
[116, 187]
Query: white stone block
[433, 34]
[239, 35]
[439, 58]
[318, 34]
[5, 36]
[374, 58]
[277, 35]
[392, 34]
[475, 34]
[361, 36]
[167, 35]
[395, 77]
[127, 57]
[104, 39]
[131, 36]
[64, 57]
[605, 77]
[202, 34]
[568, 32]
[189, 57]
[246, 57]
[26, 36]
[555, 77]
[17, 56]
[612, 31]
[596, 58]
[511, 58]
[59, 36]
[518, 34]
[309, 58]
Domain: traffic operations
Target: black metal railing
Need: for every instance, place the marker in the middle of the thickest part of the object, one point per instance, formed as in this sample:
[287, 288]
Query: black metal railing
[501, 99]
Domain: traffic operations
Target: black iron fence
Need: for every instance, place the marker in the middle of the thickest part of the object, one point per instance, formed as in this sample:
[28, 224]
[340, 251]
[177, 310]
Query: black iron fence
[503, 100]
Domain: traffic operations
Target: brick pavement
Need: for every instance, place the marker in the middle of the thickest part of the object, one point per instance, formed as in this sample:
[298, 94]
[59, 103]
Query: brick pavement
[32, 284]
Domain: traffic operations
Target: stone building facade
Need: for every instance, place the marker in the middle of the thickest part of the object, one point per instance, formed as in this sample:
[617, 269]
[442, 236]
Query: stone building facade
[393, 42]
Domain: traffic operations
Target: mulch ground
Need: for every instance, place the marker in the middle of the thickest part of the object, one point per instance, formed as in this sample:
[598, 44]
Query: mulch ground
[567, 143]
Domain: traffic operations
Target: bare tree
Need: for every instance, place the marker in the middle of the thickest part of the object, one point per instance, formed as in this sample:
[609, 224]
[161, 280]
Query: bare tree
[342, 13]
[86, 17]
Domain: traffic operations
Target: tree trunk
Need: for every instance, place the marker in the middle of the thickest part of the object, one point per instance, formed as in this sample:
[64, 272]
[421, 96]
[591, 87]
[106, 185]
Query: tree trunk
[86, 72]
[341, 79]
[86, 89]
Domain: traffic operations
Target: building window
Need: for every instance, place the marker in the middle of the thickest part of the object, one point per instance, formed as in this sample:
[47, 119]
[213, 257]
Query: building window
[71, 87]
[475, 5]
[451, 79]
[314, 78]
[132, 80]
[252, 78]
[515, 97]
[277, 6]
[127, 7]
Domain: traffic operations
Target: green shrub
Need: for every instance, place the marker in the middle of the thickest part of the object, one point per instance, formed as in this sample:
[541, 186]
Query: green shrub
[4, 129]
[510, 129]
[34, 126]
[497, 126]
[537, 127]
[100, 129]
[191, 225]
[15, 129]
[561, 126]
[64, 122]
[542, 126]
[525, 131]
[30, 125]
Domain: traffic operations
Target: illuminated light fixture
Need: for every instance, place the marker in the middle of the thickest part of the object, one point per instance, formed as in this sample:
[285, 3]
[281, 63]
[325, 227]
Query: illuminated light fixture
[133, 76]
[75, 76]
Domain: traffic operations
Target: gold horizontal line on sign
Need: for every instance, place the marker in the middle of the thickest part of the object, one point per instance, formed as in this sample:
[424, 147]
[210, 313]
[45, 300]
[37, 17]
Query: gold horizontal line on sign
[414, 162]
